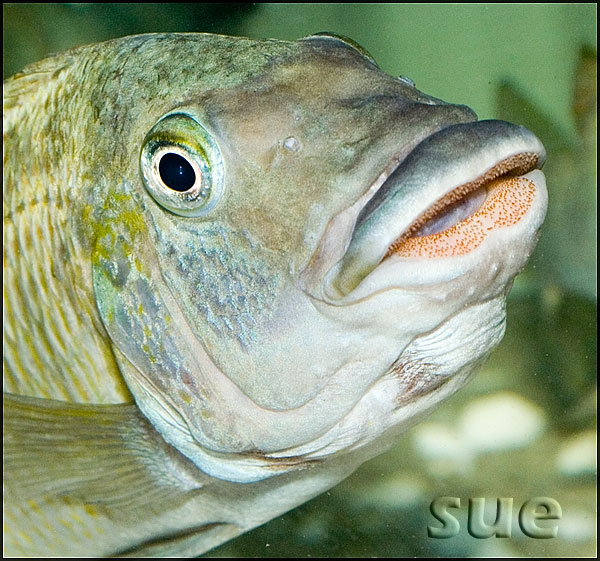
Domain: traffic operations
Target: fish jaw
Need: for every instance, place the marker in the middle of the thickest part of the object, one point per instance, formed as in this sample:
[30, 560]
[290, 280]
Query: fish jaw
[447, 167]
[444, 297]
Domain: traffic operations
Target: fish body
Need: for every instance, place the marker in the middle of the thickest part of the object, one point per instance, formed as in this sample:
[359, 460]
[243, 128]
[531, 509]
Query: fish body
[234, 270]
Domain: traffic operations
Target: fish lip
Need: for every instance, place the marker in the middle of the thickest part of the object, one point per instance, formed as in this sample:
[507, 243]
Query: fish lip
[333, 244]
[513, 165]
[525, 142]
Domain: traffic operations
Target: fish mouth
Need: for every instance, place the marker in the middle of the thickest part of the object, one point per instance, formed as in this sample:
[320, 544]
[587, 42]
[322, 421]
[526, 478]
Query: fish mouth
[450, 192]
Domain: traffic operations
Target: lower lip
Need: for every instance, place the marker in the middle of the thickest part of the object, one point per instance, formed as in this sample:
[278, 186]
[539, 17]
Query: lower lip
[508, 201]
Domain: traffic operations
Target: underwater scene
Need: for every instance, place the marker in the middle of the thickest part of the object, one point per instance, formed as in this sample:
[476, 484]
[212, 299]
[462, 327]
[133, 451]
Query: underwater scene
[524, 430]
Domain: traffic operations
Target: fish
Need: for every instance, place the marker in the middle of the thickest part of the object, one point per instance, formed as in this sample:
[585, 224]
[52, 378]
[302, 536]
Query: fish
[235, 270]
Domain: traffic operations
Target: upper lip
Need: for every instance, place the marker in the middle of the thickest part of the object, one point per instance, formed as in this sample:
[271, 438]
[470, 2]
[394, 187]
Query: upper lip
[516, 164]
[440, 170]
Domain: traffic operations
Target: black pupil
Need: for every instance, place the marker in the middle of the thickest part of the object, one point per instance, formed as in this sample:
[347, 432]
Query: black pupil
[176, 172]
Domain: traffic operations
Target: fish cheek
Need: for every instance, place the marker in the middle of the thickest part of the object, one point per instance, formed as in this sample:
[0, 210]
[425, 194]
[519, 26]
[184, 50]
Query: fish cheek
[121, 309]
[133, 313]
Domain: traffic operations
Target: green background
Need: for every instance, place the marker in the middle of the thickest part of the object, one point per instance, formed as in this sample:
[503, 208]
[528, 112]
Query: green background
[533, 64]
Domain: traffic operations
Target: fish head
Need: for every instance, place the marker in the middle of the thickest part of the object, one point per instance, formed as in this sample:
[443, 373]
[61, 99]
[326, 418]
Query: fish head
[296, 253]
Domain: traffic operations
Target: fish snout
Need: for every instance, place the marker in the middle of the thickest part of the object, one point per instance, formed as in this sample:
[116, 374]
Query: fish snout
[445, 199]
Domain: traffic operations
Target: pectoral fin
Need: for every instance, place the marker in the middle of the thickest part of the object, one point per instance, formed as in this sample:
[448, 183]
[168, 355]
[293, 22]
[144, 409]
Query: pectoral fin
[75, 473]
[108, 455]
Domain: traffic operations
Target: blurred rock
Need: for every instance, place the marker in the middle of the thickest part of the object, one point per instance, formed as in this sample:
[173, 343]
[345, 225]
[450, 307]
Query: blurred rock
[443, 448]
[501, 421]
[578, 454]
[403, 491]
[577, 525]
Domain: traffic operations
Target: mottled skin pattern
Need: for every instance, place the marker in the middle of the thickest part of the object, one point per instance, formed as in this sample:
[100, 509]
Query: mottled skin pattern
[175, 380]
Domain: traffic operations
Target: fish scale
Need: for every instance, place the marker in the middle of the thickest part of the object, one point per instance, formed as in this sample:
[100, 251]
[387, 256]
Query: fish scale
[42, 336]
[220, 288]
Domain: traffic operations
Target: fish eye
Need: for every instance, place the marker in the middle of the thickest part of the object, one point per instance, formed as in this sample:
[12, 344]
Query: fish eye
[181, 166]
[176, 172]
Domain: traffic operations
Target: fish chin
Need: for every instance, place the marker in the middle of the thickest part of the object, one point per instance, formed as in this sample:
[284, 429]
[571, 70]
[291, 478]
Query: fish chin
[429, 370]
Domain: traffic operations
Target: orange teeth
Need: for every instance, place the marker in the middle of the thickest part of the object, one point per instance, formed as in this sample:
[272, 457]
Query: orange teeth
[507, 201]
